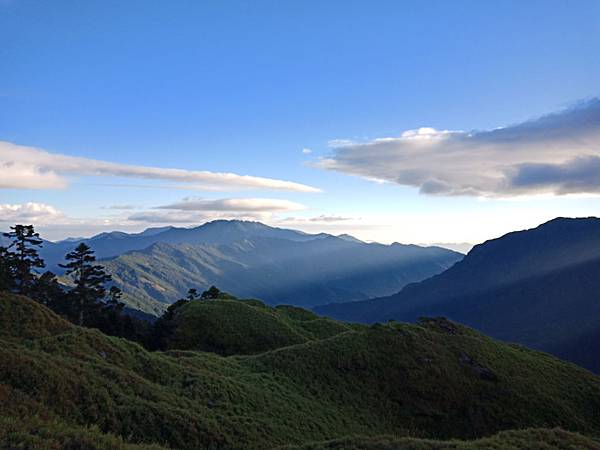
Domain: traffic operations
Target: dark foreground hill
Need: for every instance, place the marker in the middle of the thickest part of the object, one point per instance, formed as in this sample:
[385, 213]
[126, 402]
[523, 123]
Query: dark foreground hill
[537, 287]
[63, 386]
[530, 439]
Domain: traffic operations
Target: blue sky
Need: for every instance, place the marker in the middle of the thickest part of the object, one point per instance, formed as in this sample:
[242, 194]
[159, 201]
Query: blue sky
[244, 87]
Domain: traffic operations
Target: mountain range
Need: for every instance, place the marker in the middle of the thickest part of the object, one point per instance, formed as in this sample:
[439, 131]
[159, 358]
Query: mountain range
[249, 259]
[536, 287]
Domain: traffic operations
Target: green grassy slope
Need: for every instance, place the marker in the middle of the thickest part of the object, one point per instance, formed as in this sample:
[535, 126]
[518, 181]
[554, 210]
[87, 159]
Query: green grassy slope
[36, 434]
[240, 327]
[433, 380]
[531, 439]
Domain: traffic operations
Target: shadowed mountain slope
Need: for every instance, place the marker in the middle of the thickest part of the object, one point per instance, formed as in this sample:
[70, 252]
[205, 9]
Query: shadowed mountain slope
[304, 273]
[536, 287]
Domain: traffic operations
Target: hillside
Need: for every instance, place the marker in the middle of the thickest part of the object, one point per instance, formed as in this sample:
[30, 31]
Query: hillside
[535, 287]
[433, 380]
[240, 327]
[530, 439]
[304, 273]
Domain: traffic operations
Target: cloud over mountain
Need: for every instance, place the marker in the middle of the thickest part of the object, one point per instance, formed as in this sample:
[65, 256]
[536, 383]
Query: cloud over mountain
[31, 168]
[556, 154]
[235, 204]
[194, 210]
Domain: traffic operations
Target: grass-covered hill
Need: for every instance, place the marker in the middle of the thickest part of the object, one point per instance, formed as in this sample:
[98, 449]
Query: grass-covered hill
[62, 386]
[240, 327]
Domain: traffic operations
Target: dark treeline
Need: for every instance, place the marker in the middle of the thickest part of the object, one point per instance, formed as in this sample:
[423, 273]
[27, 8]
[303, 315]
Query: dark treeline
[86, 297]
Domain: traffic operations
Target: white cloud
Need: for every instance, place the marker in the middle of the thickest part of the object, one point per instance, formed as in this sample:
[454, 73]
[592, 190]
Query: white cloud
[155, 217]
[555, 154]
[306, 151]
[31, 168]
[28, 213]
[192, 218]
[197, 210]
[239, 205]
[332, 218]
[322, 220]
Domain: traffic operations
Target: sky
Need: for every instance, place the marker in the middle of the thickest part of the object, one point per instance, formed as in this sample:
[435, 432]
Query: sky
[413, 121]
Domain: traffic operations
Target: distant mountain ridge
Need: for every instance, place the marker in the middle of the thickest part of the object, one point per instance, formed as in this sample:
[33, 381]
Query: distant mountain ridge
[536, 287]
[110, 244]
[250, 259]
[303, 272]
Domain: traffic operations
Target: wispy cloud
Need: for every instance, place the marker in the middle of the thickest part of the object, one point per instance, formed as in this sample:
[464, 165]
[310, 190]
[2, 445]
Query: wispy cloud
[31, 168]
[307, 151]
[124, 207]
[555, 154]
[192, 218]
[320, 220]
[196, 210]
[235, 205]
[179, 217]
[324, 218]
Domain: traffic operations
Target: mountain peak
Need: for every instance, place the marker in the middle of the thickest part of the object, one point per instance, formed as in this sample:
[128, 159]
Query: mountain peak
[350, 238]
[234, 223]
[155, 230]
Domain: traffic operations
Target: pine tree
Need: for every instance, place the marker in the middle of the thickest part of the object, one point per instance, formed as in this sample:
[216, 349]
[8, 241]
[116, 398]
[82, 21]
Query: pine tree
[107, 316]
[23, 259]
[6, 279]
[164, 327]
[47, 291]
[114, 296]
[192, 294]
[113, 304]
[211, 293]
[89, 279]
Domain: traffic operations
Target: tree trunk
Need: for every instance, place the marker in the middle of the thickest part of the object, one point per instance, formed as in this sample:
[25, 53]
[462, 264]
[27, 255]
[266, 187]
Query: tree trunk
[80, 312]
